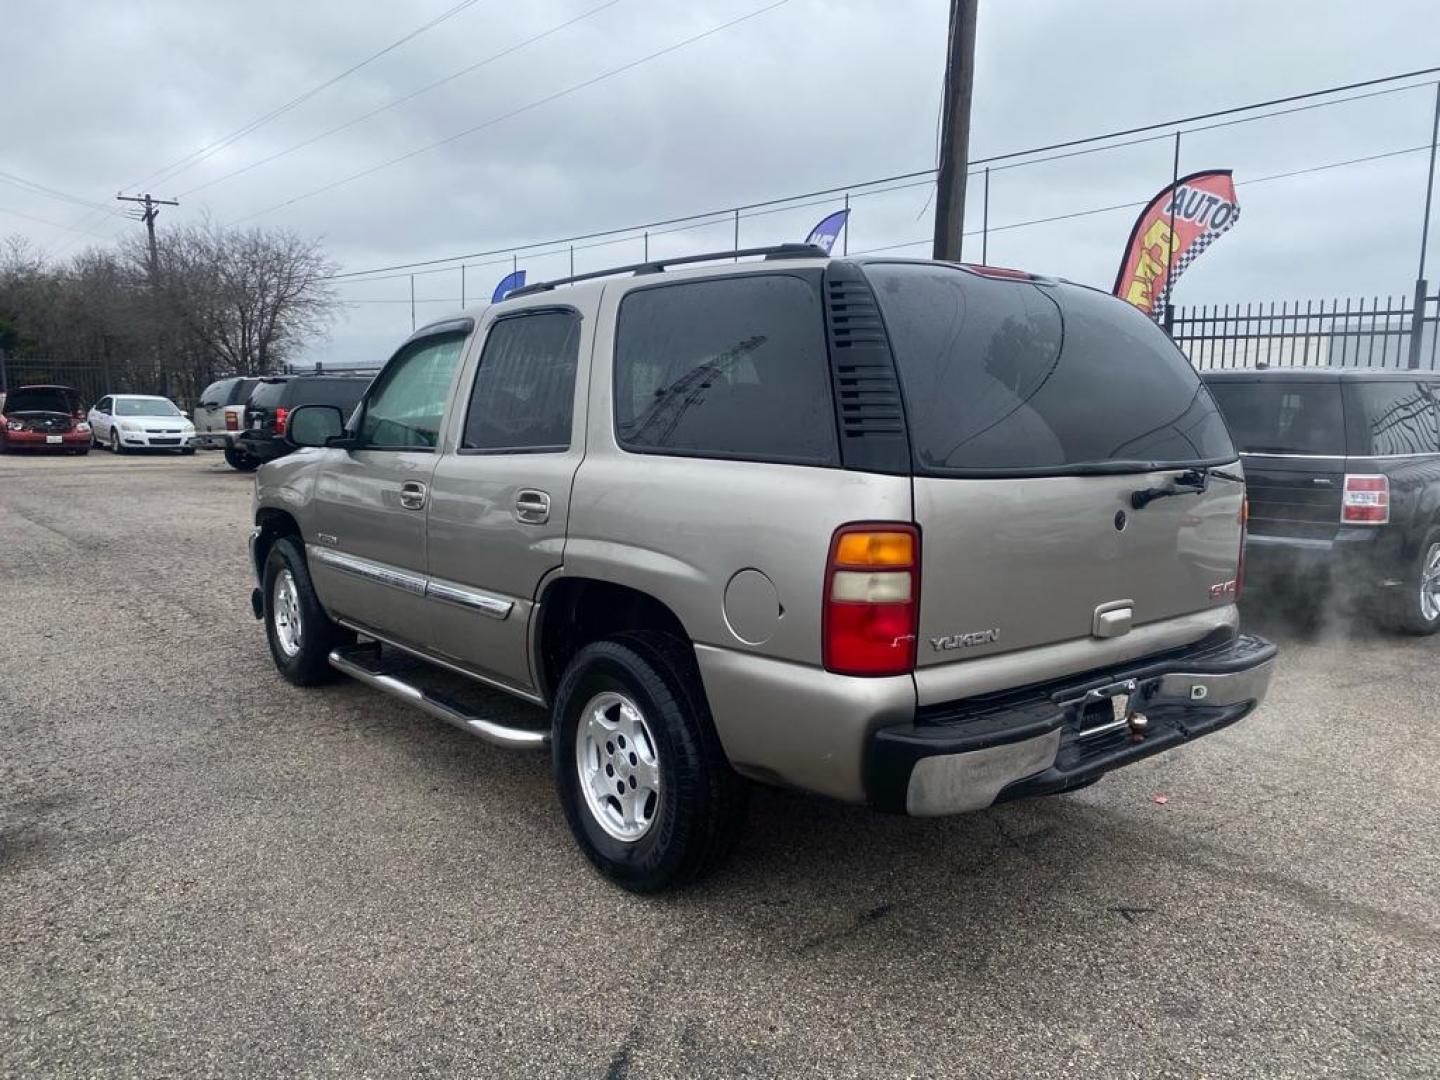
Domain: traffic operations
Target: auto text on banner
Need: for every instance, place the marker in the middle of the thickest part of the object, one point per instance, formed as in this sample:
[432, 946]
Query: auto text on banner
[1200, 208]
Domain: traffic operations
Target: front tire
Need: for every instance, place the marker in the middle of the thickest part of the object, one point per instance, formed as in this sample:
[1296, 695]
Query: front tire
[300, 634]
[115, 446]
[1414, 607]
[642, 779]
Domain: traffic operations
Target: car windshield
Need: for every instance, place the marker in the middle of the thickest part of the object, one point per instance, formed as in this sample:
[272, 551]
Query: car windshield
[145, 406]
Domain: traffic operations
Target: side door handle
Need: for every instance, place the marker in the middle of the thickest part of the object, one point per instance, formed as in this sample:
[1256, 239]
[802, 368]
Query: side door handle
[412, 495]
[532, 507]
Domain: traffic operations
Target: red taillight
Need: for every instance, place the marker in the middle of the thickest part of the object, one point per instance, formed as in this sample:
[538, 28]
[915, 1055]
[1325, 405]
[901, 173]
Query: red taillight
[1244, 533]
[872, 599]
[232, 421]
[280, 414]
[1366, 500]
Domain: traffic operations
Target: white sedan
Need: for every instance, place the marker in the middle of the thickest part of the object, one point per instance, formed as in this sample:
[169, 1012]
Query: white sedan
[135, 421]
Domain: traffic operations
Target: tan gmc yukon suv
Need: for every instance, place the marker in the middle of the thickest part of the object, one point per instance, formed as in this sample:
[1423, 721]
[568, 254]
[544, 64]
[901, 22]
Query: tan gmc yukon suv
[912, 534]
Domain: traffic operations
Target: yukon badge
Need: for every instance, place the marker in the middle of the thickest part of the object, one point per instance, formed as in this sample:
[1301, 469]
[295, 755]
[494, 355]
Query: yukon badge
[946, 642]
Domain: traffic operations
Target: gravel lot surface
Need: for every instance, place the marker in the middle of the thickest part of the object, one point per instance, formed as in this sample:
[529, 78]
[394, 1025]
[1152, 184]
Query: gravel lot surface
[204, 871]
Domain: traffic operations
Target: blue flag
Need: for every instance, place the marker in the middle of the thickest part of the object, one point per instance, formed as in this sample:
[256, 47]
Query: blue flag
[827, 232]
[508, 284]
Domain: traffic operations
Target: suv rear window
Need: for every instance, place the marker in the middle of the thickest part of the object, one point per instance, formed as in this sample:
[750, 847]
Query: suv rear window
[1283, 417]
[727, 368]
[1009, 377]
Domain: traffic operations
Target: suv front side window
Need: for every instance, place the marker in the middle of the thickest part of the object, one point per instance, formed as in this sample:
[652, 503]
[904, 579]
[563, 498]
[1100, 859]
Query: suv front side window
[407, 403]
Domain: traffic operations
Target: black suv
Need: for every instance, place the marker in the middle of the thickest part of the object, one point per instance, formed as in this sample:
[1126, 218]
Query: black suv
[272, 401]
[1343, 471]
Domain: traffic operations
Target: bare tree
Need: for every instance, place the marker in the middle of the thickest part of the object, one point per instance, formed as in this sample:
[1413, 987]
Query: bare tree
[248, 299]
[223, 302]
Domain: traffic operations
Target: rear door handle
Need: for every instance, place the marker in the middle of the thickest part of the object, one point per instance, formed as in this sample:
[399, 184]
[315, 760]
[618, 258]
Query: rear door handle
[532, 507]
[412, 495]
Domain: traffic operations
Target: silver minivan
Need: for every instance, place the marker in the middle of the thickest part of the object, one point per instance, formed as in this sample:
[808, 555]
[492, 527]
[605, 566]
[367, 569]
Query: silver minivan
[914, 534]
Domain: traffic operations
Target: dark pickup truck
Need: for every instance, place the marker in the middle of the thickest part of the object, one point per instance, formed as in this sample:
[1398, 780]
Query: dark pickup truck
[1343, 472]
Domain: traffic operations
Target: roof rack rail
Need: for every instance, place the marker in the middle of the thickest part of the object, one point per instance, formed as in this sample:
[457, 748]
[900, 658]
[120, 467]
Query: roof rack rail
[658, 266]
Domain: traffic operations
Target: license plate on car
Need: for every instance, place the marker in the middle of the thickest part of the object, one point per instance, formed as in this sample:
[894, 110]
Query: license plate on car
[53, 439]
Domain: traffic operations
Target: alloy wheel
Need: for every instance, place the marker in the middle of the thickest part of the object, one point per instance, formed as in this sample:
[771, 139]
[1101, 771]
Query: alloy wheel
[285, 612]
[1430, 584]
[618, 766]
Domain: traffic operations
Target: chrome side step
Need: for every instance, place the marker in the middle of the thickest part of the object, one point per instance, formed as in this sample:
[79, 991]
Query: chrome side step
[351, 661]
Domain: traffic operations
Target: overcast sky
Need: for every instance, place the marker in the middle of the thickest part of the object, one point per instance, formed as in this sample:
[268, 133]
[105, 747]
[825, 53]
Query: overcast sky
[808, 95]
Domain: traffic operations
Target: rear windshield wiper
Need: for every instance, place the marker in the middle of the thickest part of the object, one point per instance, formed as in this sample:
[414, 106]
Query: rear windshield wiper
[1195, 480]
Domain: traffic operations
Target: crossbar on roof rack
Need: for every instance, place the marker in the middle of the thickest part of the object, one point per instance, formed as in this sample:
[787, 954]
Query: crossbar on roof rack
[657, 266]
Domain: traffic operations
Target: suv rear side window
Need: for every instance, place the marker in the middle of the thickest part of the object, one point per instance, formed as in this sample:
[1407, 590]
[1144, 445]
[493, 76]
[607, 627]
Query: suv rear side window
[1397, 417]
[1283, 417]
[524, 393]
[727, 368]
[1003, 377]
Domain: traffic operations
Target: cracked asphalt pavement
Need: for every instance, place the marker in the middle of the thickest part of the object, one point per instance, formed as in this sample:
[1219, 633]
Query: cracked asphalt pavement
[207, 872]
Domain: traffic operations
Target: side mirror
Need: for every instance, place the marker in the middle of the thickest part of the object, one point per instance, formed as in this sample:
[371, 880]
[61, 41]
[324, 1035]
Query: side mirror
[314, 425]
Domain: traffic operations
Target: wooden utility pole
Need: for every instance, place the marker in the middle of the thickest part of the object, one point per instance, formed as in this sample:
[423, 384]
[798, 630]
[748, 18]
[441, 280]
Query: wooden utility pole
[148, 215]
[955, 131]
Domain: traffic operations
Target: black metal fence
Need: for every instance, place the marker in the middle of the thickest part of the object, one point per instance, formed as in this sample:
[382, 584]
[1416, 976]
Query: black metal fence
[96, 378]
[1385, 332]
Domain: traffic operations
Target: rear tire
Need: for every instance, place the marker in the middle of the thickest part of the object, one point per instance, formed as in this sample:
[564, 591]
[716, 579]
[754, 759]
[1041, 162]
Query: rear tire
[300, 634]
[240, 461]
[1414, 607]
[644, 684]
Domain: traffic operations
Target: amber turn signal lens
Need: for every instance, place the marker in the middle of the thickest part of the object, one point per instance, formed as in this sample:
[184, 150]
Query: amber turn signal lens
[875, 549]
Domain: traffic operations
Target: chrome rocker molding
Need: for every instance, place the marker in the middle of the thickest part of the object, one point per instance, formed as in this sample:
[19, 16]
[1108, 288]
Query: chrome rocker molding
[470, 599]
[370, 571]
[497, 734]
[496, 607]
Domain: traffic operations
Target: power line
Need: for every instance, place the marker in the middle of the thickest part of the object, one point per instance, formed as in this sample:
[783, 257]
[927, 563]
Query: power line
[1091, 212]
[50, 192]
[401, 100]
[1142, 202]
[44, 221]
[876, 183]
[194, 158]
[516, 112]
[175, 168]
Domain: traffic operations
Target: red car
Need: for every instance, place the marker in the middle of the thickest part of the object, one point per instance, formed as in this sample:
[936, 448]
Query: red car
[44, 418]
